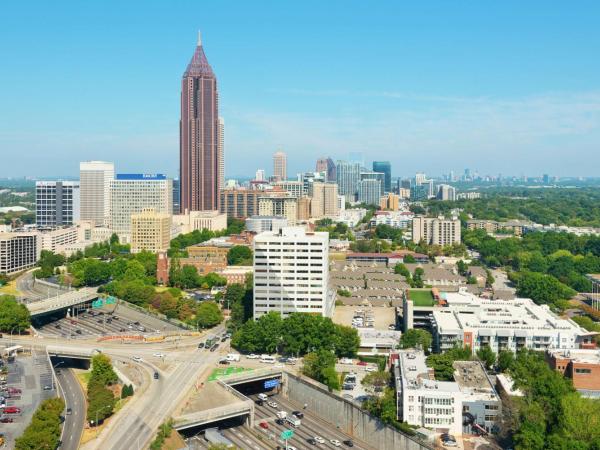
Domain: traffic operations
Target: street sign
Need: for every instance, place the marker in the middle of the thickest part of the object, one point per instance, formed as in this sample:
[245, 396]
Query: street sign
[97, 303]
[110, 301]
[271, 384]
[286, 435]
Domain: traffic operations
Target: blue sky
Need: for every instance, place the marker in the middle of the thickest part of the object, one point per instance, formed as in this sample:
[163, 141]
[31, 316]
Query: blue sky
[506, 87]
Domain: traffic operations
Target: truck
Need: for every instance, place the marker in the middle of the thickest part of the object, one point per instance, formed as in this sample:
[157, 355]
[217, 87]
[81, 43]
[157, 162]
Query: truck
[281, 414]
[293, 421]
[231, 357]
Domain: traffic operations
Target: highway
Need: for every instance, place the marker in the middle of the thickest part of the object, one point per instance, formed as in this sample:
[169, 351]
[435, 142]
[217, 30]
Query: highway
[73, 395]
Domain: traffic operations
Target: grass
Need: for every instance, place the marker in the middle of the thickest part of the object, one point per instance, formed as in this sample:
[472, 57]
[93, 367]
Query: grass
[219, 373]
[10, 288]
[421, 298]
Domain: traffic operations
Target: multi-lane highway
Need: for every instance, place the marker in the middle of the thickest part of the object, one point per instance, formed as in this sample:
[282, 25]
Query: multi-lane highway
[71, 391]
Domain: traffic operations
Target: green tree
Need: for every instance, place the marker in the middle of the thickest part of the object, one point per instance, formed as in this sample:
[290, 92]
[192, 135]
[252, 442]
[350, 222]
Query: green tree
[346, 341]
[135, 271]
[506, 359]
[416, 338]
[487, 356]
[44, 430]
[442, 363]
[377, 379]
[320, 366]
[101, 403]
[208, 314]
[239, 255]
[14, 316]
[542, 289]
[102, 370]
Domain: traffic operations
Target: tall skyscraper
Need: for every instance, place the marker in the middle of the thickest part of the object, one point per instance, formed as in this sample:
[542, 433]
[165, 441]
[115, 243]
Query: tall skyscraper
[199, 159]
[221, 152]
[56, 203]
[280, 166]
[348, 176]
[328, 166]
[94, 187]
[386, 168]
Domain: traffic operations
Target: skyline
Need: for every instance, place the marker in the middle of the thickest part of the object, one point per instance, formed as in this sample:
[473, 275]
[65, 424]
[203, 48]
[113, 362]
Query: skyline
[447, 87]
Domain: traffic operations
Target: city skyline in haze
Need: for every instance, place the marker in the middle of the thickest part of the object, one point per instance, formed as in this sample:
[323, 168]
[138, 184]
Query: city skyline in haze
[431, 87]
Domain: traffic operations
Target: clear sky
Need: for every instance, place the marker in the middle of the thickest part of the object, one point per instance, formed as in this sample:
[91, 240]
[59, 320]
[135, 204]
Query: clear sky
[507, 87]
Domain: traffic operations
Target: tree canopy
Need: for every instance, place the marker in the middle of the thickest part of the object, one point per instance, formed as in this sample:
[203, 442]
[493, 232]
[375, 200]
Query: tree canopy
[14, 316]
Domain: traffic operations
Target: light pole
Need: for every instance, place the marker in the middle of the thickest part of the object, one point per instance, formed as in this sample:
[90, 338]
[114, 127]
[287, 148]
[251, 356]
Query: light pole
[97, 411]
[11, 334]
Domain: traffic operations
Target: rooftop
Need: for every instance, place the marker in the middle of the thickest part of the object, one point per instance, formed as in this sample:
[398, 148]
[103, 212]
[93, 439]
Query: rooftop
[582, 356]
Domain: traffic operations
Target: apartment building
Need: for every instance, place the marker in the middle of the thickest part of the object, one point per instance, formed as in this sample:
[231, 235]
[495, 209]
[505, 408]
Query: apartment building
[56, 203]
[390, 201]
[369, 191]
[395, 219]
[291, 272]
[436, 231]
[19, 250]
[240, 203]
[132, 193]
[445, 192]
[150, 231]
[517, 227]
[324, 200]
[294, 188]
[258, 224]
[286, 207]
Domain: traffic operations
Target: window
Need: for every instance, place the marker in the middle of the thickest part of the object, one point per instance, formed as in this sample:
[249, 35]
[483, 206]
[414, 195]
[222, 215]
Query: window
[583, 371]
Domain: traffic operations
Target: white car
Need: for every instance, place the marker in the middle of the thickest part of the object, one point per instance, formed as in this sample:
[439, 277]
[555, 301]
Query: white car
[335, 442]
[319, 439]
[159, 355]
[371, 369]
[273, 405]
[137, 359]
[252, 356]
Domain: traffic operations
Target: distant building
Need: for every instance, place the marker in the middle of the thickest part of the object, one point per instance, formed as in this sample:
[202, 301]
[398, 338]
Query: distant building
[395, 219]
[294, 188]
[206, 258]
[258, 224]
[328, 166]
[582, 366]
[369, 191]
[132, 193]
[304, 205]
[446, 192]
[150, 231]
[286, 207]
[390, 201]
[55, 240]
[162, 269]
[436, 231]
[260, 175]
[221, 151]
[305, 285]
[236, 274]
[176, 196]
[200, 220]
[518, 227]
[94, 184]
[57, 203]
[280, 166]
[324, 201]
[386, 168]
[19, 251]
[241, 203]
[348, 176]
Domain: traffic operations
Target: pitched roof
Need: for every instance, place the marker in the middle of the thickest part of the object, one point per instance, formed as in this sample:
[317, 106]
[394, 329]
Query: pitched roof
[199, 66]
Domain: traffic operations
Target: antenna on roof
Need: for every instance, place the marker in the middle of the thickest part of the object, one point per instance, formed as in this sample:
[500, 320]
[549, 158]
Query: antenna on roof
[199, 38]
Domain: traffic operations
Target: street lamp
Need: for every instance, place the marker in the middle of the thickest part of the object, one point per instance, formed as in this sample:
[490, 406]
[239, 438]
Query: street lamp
[97, 411]
[11, 333]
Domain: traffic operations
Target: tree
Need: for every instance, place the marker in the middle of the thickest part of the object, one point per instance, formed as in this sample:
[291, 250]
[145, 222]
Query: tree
[409, 259]
[487, 356]
[542, 289]
[239, 255]
[208, 314]
[14, 316]
[44, 430]
[95, 272]
[320, 366]
[401, 269]
[101, 403]
[135, 271]
[102, 370]
[377, 379]
[344, 293]
[506, 359]
[346, 341]
[416, 338]
[442, 363]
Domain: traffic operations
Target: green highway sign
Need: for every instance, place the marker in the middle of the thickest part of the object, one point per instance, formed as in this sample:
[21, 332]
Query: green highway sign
[287, 434]
[110, 301]
[98, 303]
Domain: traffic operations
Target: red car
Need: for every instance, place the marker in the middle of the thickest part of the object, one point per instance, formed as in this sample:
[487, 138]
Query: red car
[264, 425]
[14, 390]
[361, 363]
[12, 410]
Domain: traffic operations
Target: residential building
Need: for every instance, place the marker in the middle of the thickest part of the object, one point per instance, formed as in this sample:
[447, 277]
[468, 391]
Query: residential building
[280, 166]
[446, 192]
[347, 176]
[94, 188]
[476, 322]
[518, 227]
[582, 366]
[258, 224]
[260, 175]
[308, 178]
[369, 191]
[291, 272]
[386, 168]
[199, 220]
[469, 404]
[295, 188]
[240, 203]
[351, 217]
[404, 193]
[199, 149]
[436, 231]
[150, 231]
[324, 200]
[286, 207]
[19, 250]
[236, 274]
[468, 195]
[56, 203]
[132, 193]
[327, 166]
[390, 201]
[395, 219]
[304, 205]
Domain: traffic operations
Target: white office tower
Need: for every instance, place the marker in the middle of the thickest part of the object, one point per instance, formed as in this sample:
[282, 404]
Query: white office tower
[291, 272]
[94, 182]
[132, 193]
[221, 148]
[56, 203]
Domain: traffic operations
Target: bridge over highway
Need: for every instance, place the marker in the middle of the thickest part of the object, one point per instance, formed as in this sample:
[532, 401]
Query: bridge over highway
[62, 301]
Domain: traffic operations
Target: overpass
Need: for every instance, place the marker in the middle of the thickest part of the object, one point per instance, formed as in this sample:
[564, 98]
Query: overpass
[71, 352]
[63, 301]
[266, 373]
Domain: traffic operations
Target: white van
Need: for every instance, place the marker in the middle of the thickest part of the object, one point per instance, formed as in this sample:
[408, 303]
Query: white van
[231, 357]
[268, 359]
[263, 397]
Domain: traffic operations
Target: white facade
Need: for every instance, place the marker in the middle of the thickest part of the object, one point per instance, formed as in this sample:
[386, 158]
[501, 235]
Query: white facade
[352, 216]
[199, 220]
[259, 224]
[57, 203]
[291, 272]
[221, 149]
[395, 219]
[446, 192]
[56, 240]
[131, 194]
[19, 251]
[94, 182]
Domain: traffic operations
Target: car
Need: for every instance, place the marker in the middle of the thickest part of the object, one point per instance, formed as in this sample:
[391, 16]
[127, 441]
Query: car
[156, 376]
[391, 327]
[347, 397]
[259, 402]
[223, 361]
[311, 441]
[319, 439]
[78, 331]
[69, 411]
[159, 355]
[371, 369]
[12, 410]
[137, 359]
[214, 347]
[7, 420]
[99, 320]
[298, 414]
[136, 323]
[273, 405]
[289, 447]
[335, 442]
[279, 421]
[361, 363]
[348, 443]
[61, 419]
[47, 387]
[450, 443]
[223, 339]
[252, 356]
[122, 330]
[264, 425]
[201, 345]
[115, 317]
[57, 326]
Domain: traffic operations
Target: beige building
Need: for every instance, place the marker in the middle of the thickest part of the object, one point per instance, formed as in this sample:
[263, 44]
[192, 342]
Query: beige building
[324, 201]
[436, 231]
[304, 208]
[390, 201]
[280, 166]
[199, 220]
[19, 250]
[151, 231]
[241, 203]
[279, 206]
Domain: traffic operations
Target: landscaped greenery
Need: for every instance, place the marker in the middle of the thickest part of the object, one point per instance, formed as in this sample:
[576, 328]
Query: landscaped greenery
[164, 431]
[14, 316]
[442, 362]
[336, 230]
[239, 255]
[416, 338]
[100, 399]
[44, 430]
[421, 297]
[181, 242]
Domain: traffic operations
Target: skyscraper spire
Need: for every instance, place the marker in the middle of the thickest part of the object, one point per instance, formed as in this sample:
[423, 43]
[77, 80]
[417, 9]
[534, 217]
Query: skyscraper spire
[199, 38]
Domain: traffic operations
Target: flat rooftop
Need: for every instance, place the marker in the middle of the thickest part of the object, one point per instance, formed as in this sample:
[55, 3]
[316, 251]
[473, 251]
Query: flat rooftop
[473, 381]
[415, 372]
[584, 356]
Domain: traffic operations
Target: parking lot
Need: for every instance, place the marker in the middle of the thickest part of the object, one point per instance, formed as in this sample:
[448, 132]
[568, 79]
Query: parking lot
[86, 323]
[33, 377]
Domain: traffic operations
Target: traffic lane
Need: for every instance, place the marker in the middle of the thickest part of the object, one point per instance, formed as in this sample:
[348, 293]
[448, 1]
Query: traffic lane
[74, 399]
[243, 438]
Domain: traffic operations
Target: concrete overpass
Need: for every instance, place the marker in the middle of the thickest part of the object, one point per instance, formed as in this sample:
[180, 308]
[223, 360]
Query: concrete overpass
[71, 352]
[63, 301]
[266, 373]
